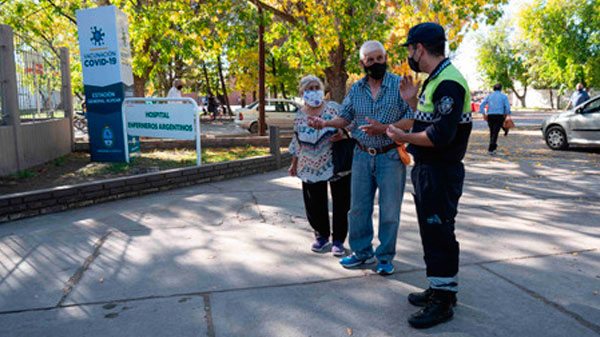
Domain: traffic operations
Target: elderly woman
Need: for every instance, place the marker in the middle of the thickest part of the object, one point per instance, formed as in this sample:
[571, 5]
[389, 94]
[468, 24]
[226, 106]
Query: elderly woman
[312, 163]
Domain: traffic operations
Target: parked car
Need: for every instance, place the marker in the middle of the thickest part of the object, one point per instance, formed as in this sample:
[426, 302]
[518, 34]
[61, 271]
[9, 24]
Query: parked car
[577, 127]
[278, 112]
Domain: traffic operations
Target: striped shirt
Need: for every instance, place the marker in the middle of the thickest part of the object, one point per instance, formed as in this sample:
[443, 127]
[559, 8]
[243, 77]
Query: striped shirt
[387, 108]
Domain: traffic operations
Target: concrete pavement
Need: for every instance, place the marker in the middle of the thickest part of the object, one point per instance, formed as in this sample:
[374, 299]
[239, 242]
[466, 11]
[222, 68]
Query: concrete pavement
[232, 259]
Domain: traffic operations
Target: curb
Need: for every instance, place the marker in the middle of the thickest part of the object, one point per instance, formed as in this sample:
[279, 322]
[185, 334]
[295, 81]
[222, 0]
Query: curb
[57, 199]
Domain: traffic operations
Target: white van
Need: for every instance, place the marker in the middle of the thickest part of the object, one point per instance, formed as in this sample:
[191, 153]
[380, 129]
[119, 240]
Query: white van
[278, 112]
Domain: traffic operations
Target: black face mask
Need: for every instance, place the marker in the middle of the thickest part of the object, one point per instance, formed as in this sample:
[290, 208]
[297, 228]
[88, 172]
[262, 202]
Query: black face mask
[179, 87]
[414, 64]
[376, 70]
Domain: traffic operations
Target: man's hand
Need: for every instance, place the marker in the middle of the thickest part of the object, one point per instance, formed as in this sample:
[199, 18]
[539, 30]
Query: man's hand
[316, 122]
[374, 128]
[485, 117]
[395, 133]
[409, 90]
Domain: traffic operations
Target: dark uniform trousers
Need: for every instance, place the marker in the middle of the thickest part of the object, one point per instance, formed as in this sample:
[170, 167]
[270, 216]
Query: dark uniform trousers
[438, 188]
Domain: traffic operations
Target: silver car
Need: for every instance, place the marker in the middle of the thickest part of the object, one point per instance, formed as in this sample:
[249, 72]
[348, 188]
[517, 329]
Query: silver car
[577, 127]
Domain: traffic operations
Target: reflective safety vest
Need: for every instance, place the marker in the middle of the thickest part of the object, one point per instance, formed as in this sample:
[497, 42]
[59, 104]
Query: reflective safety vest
[426, 110]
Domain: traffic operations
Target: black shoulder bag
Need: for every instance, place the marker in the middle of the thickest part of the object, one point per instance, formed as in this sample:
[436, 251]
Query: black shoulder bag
[343, 151]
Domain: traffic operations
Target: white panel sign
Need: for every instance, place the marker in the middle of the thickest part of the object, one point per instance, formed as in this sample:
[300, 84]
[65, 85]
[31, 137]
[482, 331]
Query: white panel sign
[124, 48]
[175, 120]
[99, 46]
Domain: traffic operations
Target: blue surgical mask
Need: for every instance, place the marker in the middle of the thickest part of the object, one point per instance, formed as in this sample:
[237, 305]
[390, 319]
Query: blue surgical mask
[313, 98]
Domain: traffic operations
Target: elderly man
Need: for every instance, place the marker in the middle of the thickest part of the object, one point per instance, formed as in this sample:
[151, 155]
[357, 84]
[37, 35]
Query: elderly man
[175, 91]
[374, 103]
[578, 97]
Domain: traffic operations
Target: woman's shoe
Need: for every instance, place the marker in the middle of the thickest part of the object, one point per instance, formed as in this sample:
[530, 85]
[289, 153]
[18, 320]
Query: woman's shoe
[338, 249]
[320, 245]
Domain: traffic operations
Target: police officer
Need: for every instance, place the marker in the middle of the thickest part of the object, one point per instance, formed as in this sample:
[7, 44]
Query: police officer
[438, 143]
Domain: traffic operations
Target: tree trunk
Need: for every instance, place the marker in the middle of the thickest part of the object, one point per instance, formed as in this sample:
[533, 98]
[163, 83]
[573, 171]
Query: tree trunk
[336, 75]
[551, 99]
[139, 85]
[521, 97]
[208, 91]
[225, 92]
[283, 90]
[274, 71]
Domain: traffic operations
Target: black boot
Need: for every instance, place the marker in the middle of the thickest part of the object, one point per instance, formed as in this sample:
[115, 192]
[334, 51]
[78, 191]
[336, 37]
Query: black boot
[438, 310]
[421, 299]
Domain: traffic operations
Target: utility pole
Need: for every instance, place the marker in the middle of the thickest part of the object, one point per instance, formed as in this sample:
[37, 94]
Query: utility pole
[261, 74]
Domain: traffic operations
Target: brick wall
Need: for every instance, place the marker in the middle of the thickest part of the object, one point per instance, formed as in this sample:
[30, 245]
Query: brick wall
[28, 204]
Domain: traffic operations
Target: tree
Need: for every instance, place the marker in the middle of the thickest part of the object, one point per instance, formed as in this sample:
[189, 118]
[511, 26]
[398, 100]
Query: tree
[503, 61]
[176, 38]
[323, 37]
[45, 28]
[168, 38]
[568, 35]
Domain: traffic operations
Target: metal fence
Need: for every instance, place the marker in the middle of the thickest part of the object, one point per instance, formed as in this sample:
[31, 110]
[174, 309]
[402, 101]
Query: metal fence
[38, 82]
[2, 109]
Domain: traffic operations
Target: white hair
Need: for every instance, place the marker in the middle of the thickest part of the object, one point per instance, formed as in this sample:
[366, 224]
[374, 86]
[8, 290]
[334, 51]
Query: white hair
[176, 81]
[370, 46]
[309, 79]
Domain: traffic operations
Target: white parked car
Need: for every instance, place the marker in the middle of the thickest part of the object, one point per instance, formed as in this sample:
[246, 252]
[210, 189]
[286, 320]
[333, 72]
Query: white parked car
[278, 112]
[577, 127]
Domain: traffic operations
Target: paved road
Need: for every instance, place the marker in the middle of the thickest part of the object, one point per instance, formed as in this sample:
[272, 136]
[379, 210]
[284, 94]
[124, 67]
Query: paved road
[232, 259]
[529, 119]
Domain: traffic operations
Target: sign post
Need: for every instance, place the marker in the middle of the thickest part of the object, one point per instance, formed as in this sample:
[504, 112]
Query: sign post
[107, 80]
[162, 118]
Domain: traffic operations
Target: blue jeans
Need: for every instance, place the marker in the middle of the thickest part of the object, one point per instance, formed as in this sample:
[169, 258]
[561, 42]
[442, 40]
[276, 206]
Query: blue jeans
[386, 172]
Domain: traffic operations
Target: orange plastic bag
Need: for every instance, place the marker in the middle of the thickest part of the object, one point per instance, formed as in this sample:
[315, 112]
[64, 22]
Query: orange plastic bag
[404, 155]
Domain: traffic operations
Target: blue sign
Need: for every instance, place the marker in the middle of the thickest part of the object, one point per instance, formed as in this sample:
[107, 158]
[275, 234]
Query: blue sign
[107, 80]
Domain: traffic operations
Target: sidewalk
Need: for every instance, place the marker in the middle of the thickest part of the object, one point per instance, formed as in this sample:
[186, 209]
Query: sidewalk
[232, 259]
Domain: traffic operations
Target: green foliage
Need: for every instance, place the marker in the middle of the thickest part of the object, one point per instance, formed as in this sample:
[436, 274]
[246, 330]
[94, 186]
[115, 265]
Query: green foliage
[59, 161]
[501, 61]
[178, 38]
[19, 175]
[566, 35]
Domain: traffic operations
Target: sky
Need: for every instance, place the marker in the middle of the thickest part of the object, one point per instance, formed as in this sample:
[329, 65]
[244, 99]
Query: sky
[466, 55]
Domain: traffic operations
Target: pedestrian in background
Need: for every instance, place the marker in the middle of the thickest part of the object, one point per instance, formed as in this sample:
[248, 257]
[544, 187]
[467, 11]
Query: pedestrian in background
[213, 105]
[578, 97]
[498, 110]
[175, 91]
[313, 163]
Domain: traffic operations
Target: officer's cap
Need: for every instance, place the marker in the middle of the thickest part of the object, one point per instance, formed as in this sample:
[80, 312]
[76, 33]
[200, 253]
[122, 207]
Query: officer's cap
[426, 32]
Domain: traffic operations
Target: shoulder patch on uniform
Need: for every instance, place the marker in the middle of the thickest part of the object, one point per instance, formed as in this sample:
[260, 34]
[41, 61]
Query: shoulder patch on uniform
[445, 105]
